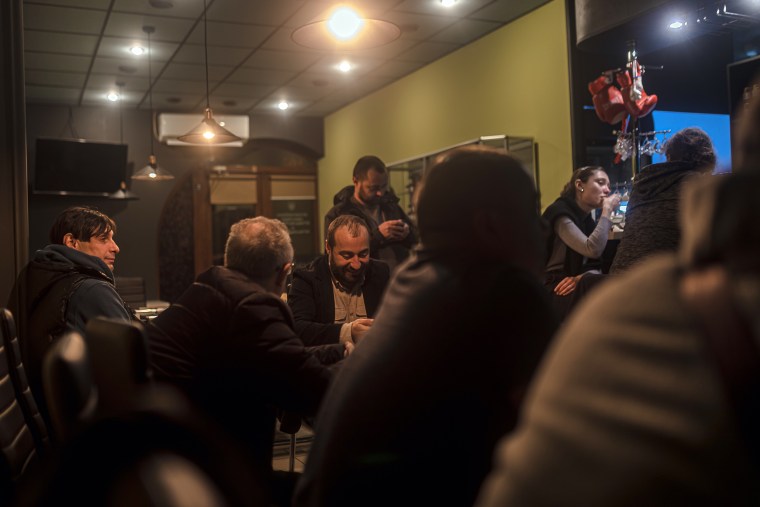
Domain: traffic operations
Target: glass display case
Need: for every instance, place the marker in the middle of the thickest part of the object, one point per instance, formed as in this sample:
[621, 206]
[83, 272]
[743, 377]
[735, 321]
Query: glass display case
[405, 175]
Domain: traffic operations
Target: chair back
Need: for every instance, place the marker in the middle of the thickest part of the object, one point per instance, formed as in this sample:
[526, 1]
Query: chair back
[119, 357]
[163, 452]
[23, 435]
[71, 395]
[132, 290]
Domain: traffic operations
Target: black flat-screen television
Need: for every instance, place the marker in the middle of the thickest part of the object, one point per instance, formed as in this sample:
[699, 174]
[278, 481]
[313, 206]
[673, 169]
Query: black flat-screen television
[78, 167]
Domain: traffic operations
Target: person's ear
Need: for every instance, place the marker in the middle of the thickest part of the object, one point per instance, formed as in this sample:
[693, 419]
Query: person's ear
[282, 275]
[69, 241]
[578, 184]
[327, 247]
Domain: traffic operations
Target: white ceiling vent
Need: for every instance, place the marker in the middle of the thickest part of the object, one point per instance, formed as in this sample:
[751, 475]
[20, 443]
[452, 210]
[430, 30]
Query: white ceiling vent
[171, 126]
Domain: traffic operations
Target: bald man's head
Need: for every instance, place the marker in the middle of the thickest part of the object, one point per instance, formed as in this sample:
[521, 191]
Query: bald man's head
[483, 200]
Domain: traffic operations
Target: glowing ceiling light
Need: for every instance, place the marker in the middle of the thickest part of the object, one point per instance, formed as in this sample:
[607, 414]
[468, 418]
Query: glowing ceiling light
[137, 50]
[345, 23]
[113, 96]
[283, 105]
[675, 25]
[448, 3]
[345, 66]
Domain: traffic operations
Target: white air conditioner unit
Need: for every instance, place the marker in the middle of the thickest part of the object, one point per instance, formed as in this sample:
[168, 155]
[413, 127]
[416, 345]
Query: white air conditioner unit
[171, 126]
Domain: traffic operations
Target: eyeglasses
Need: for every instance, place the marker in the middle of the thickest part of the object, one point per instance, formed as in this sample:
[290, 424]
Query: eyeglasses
[288, 268]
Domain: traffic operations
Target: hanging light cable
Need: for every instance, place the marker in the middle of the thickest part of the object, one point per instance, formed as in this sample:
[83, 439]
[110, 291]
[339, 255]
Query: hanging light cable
[208, 131]
[123, 192]
[152, 171]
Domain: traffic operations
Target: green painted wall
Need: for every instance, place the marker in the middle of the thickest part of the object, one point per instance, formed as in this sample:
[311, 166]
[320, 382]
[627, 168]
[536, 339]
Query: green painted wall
[513, 81]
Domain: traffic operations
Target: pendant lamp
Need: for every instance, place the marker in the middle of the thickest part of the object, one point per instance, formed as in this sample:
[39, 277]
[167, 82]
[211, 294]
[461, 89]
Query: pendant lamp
[123, 194]
[208, 131]
[152, 171]
[345, 29]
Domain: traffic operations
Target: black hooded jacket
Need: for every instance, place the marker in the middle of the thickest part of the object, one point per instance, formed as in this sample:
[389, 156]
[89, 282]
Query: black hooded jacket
[60, 290]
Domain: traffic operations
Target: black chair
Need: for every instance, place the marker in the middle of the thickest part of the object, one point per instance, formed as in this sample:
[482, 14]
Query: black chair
[161, 452]
[85, 379]
[70, 392]
[132, 290]
[119, 357]
[23, 435]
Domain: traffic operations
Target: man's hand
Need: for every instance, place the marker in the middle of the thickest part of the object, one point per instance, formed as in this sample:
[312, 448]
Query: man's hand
[394, 230]
[348, 348]
[359, 328]
[567, 285]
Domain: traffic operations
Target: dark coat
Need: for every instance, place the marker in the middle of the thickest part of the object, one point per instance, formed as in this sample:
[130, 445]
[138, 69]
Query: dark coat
[566, 207]
[312, 300]
[399, 250]
[60, 290]
[230, 344]
[418, 407]
[651, 219]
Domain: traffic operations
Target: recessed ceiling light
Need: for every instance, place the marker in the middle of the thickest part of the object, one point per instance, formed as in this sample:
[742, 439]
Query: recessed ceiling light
[448, 3]
[677, 24]
[283, 105]
[112, 96]
[137, 50]
[345, 66]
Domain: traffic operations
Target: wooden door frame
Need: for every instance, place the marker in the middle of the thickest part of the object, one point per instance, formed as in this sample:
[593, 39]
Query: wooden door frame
[202, 216]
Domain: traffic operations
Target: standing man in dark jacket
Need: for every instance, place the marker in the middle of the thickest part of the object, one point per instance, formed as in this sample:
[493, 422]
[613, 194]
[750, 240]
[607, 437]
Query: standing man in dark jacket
[651, 219]
[391, 232]
[335, 297]
[66, 284]
[228, 341]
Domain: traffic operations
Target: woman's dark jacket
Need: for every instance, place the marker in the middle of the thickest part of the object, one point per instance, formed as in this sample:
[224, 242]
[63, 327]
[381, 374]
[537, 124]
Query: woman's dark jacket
[566, 207]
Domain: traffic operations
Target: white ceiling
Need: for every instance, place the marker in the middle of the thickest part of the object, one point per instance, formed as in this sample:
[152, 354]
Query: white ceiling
[76, 51]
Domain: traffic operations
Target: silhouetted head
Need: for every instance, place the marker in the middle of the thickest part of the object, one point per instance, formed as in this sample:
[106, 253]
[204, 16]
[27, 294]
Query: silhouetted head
[480, 203]
[693, 146]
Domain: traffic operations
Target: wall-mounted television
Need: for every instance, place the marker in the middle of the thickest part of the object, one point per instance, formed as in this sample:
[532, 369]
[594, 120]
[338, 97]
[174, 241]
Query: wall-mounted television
[78, 167]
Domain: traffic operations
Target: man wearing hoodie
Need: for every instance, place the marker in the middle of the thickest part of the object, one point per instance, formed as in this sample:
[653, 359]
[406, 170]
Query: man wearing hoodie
[391, 232]
[651, 220]
[66, 284]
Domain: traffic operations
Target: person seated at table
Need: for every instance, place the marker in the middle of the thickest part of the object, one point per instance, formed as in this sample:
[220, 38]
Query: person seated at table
[576, 242]
[334, 298]
[228, 342]
[416, 410]
[651, 219]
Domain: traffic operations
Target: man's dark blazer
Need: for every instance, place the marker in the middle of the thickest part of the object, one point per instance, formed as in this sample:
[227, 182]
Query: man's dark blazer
[313, 303]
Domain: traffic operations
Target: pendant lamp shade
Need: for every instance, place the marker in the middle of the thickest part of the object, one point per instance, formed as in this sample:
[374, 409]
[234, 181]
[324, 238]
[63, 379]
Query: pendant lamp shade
[123, 194]
[208, 132]
[345, 29]
[151, 172]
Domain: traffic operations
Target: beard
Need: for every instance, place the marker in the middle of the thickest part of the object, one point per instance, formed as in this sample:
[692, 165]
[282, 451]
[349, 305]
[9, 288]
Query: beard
[345, 275]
